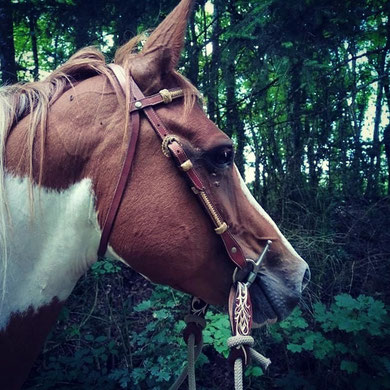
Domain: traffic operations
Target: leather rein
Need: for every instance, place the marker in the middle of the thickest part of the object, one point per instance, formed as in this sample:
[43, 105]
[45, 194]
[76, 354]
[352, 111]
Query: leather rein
[246, 270]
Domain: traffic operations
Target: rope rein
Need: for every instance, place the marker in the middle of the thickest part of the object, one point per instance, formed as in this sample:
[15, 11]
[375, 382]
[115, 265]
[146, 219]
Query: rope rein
[193, 336]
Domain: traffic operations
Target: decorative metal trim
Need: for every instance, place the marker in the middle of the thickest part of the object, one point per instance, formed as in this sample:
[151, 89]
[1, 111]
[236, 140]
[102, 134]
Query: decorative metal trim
[198, 307]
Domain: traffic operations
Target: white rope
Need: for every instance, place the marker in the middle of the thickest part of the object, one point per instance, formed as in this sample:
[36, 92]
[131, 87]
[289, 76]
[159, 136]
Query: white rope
[193, 353]
[239, 341]
[192, 356]
[260, 359]
[238, 375]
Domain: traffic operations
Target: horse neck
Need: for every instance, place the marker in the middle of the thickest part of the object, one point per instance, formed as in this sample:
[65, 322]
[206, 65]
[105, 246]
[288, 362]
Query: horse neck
[52, 229]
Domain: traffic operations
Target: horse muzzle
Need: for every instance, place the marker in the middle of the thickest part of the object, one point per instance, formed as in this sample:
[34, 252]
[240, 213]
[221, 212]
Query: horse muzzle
[275, 292]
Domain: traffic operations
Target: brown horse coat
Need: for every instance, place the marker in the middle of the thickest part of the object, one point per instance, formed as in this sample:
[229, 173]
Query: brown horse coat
[63, 146]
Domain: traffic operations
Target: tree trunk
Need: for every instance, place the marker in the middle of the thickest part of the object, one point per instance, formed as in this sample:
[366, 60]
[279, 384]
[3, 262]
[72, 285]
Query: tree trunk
[7, 48]
[234, 125]
[374, 171]
[375, 162]
[83, 36]
[212, 96]
[386, 141]
[32, 24]
[295, 152]
[193, 52]
[357, 116]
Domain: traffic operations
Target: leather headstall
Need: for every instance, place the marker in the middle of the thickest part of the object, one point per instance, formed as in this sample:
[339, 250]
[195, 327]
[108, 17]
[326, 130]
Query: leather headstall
[239, 300]
[170, 144]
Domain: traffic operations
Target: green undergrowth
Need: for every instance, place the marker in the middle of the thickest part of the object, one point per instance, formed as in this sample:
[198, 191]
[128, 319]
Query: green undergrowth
[344, 346]
[118, 335]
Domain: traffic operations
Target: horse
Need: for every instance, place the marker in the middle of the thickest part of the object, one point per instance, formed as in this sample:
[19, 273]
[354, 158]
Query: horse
[64, 143]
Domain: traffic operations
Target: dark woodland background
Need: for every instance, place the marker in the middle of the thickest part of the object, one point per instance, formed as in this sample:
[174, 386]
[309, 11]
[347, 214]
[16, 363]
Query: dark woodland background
[303, 89]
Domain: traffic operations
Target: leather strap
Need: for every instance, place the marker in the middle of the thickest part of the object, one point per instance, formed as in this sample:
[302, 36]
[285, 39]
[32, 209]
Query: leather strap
[121, 185]
[232, 247]
[140, 102]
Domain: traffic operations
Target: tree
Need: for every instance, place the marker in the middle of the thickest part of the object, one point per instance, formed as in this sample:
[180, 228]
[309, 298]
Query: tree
[7, 49]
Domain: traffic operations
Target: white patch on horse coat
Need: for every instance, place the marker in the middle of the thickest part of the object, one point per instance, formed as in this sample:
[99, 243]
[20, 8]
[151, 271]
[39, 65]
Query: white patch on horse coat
[49, 250]
[264, 214]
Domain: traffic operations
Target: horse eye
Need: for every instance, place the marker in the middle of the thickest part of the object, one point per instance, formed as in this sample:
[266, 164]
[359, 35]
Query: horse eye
[222, 157]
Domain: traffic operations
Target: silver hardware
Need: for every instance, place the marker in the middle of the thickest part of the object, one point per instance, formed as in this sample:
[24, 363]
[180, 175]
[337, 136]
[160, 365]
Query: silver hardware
[234, 250]
[256, 264]
[138, 104]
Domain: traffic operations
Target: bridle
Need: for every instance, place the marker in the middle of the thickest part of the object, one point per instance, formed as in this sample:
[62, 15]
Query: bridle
[240, 307]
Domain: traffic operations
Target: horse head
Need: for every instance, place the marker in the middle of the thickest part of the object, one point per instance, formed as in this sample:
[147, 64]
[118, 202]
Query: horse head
[161, 230]
[63, 142]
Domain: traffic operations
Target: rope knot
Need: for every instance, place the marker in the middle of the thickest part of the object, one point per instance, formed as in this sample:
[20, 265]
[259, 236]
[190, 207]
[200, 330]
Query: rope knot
[195, 325]
[241, 349]
[239, 341]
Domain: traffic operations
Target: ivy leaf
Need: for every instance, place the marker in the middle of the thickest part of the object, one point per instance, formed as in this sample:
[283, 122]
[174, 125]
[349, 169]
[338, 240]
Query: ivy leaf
[254, 371]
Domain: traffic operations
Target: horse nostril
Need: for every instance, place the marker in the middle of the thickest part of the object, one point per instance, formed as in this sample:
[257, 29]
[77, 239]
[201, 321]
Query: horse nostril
[306, 278]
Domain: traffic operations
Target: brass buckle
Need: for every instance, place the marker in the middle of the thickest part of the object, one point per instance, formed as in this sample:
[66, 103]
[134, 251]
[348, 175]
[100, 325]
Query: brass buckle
[166, 142]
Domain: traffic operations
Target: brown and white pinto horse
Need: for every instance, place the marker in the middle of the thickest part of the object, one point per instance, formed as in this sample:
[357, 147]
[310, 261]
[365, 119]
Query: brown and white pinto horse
[62, 144]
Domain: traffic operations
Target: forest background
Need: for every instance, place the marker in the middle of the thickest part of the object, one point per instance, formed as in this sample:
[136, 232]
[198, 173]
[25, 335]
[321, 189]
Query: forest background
[303, 89]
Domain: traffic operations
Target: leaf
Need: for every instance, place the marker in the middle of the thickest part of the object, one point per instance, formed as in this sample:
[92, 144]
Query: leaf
[345, 301]
[144, 305]
[294, 348]
[257, 371]
[349, 366]
[287, 45]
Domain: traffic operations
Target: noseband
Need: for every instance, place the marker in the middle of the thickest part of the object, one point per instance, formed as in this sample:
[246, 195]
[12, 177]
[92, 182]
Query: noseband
[240, 307]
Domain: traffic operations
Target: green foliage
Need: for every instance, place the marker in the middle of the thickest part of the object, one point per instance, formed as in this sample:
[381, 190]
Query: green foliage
[217, 332]
[350, 338]
[103, 267]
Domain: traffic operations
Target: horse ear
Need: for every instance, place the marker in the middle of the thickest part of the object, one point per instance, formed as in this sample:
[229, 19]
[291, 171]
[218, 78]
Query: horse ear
[168, 38]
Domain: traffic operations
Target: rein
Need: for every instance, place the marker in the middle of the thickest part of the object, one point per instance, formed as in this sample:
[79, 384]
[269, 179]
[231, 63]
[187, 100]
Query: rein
[240, 306]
